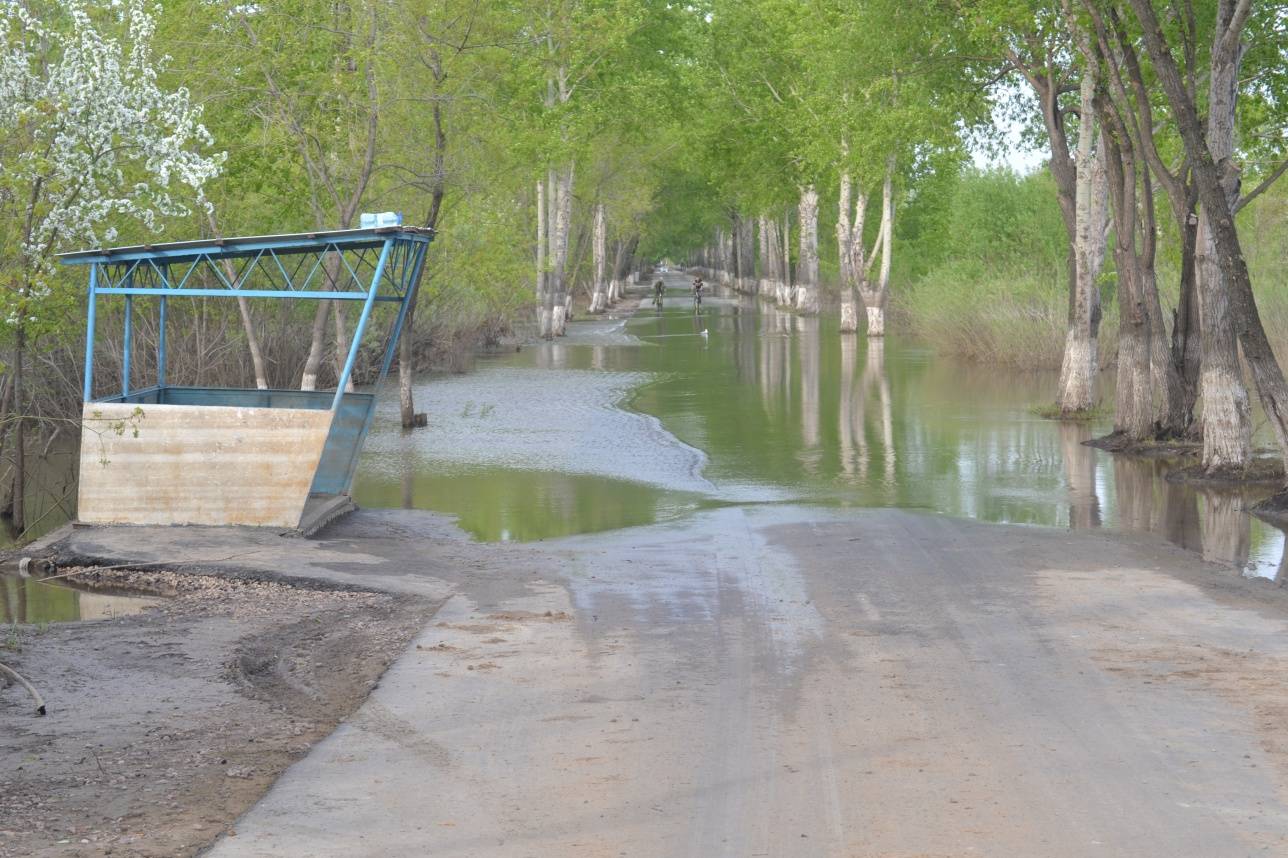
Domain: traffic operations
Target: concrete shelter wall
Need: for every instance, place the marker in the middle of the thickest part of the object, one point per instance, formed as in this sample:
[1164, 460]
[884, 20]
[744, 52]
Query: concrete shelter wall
[190, 464]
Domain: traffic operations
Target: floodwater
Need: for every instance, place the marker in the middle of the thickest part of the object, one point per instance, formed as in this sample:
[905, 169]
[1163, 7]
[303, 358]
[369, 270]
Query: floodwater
[632, 421]
[30, 600]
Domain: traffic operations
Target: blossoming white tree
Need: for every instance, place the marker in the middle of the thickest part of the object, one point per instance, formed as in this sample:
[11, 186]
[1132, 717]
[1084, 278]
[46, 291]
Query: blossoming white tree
[88, 139]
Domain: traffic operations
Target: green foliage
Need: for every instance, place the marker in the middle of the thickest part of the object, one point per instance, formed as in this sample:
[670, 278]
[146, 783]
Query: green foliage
[983, 269]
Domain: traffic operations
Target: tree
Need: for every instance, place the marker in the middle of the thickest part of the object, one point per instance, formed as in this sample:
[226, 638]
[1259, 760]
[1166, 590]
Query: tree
[85, 134]
[1216, 177]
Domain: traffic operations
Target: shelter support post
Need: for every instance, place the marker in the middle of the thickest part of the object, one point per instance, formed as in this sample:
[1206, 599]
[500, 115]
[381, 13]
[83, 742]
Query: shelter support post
[129, 345]
[343, 381]
[401, 319]
[89, 334]
[161, 344]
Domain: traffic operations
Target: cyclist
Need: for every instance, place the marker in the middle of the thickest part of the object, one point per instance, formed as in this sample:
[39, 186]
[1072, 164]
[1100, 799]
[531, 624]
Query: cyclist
[658, 288]
[697, 291]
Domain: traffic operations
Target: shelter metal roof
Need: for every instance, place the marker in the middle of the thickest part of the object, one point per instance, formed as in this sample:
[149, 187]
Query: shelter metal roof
[296, 242]
[379, 263]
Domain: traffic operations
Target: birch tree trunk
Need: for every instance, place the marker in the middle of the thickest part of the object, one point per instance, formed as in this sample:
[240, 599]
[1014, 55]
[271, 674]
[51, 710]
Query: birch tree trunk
[845, 253]
[599, 295]
[1078, 368]
[876, 311]
[875, 294]
[807, 264]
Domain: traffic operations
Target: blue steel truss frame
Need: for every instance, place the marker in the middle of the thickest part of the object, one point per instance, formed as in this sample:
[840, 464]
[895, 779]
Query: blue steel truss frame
[367, 265]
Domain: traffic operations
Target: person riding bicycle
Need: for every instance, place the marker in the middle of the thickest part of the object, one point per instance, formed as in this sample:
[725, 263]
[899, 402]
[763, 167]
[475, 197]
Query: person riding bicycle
[697, 290]
[658, 288]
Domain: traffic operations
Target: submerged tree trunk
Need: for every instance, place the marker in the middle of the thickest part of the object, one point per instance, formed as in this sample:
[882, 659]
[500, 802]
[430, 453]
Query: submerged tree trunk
[1134, 404]
[543, 276]
[1081, 363]
[1227, 419]
[785, 263]
[765, 250]
[559, 252]
[614, 280]
[1215, 182]
[747, 259]
[1187, 343]
[845, 258]
[599, 248]
[876, 294]
[807, 265]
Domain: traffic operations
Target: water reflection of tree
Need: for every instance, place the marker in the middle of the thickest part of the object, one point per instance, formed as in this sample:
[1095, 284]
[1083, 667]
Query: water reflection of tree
[1209, 520]
[1226, 528]
[875, 375]
[852, 441]
[1080, 473]
[855, 419]
[807, 347]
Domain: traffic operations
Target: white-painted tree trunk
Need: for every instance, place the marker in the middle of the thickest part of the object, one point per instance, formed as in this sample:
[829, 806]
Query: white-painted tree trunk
[765, 250]
[876, 293]
[784, 294]
[1076, 391]
[543, 275]
[599, 248]
[1227, 420]
[845, 257]
[807, 264]
[746, 256]
[562, 227]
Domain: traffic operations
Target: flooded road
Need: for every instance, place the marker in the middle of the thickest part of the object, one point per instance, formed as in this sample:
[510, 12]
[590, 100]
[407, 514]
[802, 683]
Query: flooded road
[760, 591]
[635, 421]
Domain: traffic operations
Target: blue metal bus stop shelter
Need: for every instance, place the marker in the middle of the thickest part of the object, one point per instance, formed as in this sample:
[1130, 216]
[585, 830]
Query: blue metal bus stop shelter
[198, 455]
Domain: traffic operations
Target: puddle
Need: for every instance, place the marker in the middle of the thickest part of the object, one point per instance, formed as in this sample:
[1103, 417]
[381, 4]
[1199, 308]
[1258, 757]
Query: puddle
[31, 600]
[509, 505]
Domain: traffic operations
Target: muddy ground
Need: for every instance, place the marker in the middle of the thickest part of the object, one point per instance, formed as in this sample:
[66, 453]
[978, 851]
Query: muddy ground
[163, 727]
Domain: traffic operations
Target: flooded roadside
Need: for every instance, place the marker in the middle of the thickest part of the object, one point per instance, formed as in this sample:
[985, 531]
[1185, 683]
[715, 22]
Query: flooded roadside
[33, 601]
[770, 407]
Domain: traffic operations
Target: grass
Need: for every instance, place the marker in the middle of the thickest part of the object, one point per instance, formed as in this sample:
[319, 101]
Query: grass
[1052, 411]
[1006, 317]
[1018, 318]
[13, 638]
